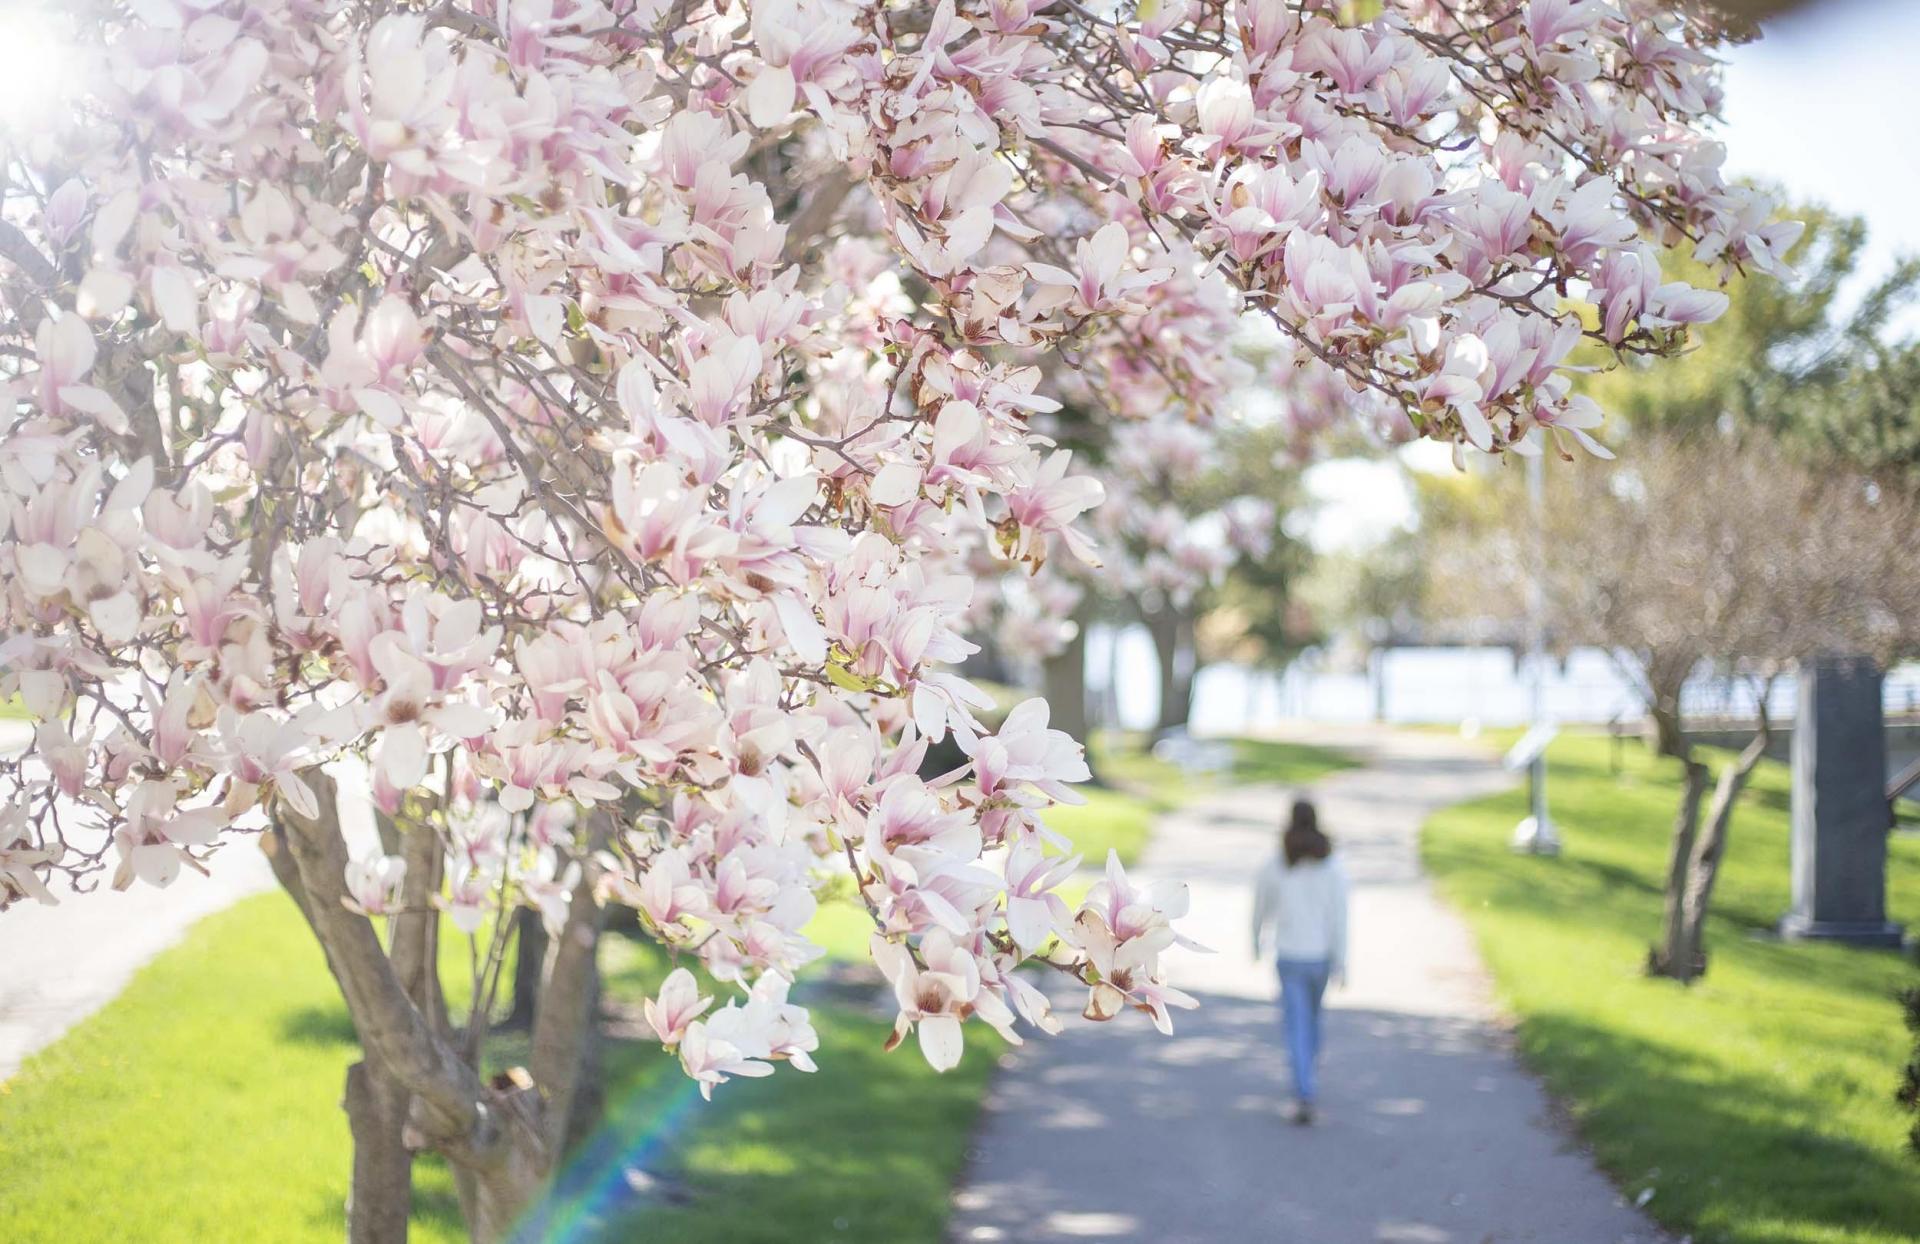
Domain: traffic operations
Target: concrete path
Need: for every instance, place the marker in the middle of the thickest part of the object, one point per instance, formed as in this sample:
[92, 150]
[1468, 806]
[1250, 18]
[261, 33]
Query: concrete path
[1431, 1133]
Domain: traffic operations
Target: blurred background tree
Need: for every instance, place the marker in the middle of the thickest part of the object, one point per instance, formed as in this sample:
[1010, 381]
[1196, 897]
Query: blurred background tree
[1817, 362]
[1253, 615]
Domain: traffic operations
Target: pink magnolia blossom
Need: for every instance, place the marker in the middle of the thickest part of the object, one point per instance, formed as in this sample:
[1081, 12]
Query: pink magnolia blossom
[154, 837]
[1100, 280]
[1123, 930]
[933, 999]
[767, 1026]
[678, 1004]
[22, 862]
[1024, 752]
[375, 883]
[1048, 501]
[711, 1060]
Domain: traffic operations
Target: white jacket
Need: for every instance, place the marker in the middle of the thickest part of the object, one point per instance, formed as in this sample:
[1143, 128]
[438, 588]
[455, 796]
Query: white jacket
[1301, 912]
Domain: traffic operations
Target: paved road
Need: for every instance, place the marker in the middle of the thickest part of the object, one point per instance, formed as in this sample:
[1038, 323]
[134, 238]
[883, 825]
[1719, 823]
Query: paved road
[1431, 1132]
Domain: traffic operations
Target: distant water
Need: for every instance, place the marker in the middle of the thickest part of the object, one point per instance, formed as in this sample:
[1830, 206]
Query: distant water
[1487, 685]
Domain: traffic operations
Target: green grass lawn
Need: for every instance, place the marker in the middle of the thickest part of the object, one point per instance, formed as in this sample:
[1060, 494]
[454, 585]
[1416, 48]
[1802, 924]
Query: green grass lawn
[1285, 764]
[1108, 819]
[867, 1148]
[1125, 762]
[201, 1104]
[1757, 1105]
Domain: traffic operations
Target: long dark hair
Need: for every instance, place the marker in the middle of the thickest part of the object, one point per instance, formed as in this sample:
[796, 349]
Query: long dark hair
[1303, 839]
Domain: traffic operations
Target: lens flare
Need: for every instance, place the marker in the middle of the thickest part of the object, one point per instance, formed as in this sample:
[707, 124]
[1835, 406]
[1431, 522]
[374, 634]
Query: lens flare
[605, 1180]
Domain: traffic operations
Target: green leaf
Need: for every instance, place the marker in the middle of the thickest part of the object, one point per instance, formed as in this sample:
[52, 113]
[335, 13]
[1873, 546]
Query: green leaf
[845, 679]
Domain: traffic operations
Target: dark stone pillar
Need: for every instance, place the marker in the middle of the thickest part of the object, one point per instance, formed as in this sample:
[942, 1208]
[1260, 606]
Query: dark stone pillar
[1840, 819]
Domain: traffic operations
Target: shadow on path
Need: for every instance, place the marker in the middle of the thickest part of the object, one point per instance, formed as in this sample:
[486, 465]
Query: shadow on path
[1138, 1137]
[1431, 1134]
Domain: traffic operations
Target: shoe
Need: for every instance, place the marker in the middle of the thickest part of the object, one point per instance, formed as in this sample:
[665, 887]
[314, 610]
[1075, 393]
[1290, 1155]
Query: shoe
[1302, 1114]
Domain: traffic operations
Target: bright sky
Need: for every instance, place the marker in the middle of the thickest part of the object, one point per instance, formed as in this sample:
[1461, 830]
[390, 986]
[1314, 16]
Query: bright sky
[1824, 105]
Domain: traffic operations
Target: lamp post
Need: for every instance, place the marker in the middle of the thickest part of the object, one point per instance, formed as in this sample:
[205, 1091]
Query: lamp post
[1535, 834]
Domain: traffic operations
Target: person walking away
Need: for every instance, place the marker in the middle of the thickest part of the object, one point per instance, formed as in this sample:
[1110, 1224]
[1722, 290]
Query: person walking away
[1300, 923]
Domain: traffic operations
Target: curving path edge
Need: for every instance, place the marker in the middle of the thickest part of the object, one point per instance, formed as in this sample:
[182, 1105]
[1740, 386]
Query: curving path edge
[1432, 1132]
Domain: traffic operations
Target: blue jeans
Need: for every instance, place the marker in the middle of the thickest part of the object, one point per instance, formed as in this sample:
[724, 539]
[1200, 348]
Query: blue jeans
[1303, 982]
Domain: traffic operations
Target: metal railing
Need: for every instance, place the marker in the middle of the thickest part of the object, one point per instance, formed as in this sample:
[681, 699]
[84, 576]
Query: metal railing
[1903, 781]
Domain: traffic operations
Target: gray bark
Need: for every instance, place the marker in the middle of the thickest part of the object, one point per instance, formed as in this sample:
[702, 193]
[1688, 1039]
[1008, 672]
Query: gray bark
[817, 212]
[1665, 675]
[1065, 686]
[390, 1027]
[1693, 867]
[563, 1028]
[492, 1133]
[1710, 848]
[1172, 631]
[1686, 827]
[529, 966]
[416, 932]
[380, 1197]
[590, 1085]
[380, 1190]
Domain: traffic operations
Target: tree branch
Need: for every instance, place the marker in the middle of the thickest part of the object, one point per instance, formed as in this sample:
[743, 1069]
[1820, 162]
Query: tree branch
[415, 950]
[390, 1026]
[809, 225]
[17, 249]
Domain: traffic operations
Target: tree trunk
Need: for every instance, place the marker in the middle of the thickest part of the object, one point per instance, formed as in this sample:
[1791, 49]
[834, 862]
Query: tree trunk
[1189, 664]
[1666, 678]
[987, 664]
[1704, 868]
[502, 1136]
[492, 1133]
[590, 1085]
[1377, 682]
[529, 965]
[1065, 687]
[1666, 959]
[415, 948]
[564, 1028]
[380, 1198]
[380, 1190]
[1172, 630]
[494, 1197]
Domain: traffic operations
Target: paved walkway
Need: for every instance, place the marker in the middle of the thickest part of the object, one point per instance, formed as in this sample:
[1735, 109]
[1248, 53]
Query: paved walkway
[1430, 1133]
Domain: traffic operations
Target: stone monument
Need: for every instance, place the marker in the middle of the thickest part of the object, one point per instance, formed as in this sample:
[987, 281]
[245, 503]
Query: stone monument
[1840, 817]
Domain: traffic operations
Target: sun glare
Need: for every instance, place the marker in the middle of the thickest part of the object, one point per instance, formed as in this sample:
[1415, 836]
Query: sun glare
[36, 64]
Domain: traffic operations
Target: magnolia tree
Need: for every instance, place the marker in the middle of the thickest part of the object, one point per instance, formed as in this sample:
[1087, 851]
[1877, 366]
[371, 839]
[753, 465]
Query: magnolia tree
[584, 412]
[1160, 546]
